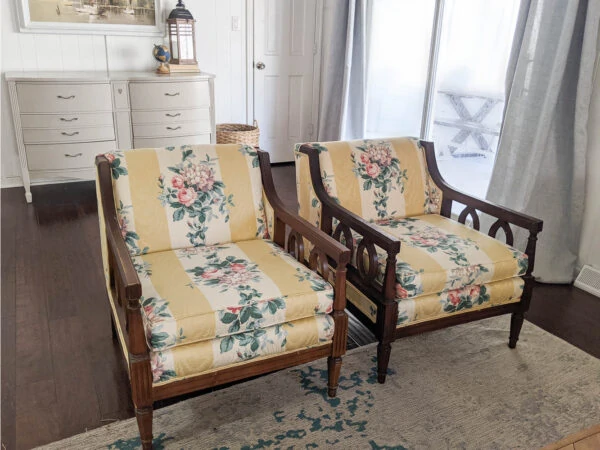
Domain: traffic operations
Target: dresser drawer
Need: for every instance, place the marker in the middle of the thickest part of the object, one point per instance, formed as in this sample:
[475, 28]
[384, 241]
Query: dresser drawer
[65, 156]
[168, 141]
[56, 98]
[170, 95]
[66, 120]
[171, 116]
[55, 135]
[174, 129]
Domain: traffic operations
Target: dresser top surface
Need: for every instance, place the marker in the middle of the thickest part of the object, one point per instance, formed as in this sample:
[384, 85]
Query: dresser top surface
[91, 76]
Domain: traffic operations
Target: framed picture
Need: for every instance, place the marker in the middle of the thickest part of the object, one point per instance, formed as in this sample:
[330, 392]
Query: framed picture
[125, 17]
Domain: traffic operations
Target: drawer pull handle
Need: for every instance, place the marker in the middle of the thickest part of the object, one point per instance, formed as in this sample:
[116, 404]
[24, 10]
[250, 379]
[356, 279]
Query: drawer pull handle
[76, 155]
[173, 129]
[172, 95]
[62, 119]
[65, 98]
[74, 133]
[172, 115]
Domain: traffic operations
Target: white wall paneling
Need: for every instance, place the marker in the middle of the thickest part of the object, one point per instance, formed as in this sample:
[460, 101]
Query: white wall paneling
[221, 50]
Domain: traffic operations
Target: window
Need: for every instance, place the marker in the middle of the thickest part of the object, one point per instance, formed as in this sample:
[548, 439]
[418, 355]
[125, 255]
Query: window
[442, 79]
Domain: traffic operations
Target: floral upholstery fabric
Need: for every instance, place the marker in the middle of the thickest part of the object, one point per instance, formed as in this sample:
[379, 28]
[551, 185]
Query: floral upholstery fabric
[178, 197]
[443, 267]
[375, 179]
[187, 360]
[439, 254]
[215, 290]
[202, 293]
[436, 306]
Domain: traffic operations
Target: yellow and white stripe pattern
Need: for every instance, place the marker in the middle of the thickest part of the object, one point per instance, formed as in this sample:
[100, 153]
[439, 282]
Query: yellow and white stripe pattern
[201, 293]
[352, 170]
[443, 266]
[201, 357]
[436, 306]
[164, 195]
[439, 254]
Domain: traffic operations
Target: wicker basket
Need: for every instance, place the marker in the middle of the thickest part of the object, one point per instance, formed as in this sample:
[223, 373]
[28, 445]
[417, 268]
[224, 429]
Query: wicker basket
[238, 133]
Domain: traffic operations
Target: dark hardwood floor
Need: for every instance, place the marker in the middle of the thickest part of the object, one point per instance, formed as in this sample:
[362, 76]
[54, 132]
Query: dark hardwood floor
[62, 373]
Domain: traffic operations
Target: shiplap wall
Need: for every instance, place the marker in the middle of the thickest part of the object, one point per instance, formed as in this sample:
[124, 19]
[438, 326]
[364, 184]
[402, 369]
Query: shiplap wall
[220, 51]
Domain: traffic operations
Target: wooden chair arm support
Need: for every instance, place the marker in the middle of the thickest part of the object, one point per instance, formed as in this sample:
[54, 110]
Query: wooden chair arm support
[380, 238]
[500, 212]
[332, 248]
[123, 264]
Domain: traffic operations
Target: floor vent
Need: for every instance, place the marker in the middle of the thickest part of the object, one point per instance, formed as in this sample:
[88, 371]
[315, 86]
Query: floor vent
[589, 280]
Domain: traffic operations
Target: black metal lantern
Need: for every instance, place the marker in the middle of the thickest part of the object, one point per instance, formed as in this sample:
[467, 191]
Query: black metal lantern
[182, 36]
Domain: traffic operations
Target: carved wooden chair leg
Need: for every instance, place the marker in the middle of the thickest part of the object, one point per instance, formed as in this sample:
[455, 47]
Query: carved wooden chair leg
[517, 318]
[340, 318]
[384, 350]
[516, 322]
[388, 315]
[144, 421]
[140, 373]
[334, 365]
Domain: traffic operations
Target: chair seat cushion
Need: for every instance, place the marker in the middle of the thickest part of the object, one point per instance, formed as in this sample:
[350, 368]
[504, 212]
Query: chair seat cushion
[194, 359]
[202, 293]
[438, 254]
[442, 304]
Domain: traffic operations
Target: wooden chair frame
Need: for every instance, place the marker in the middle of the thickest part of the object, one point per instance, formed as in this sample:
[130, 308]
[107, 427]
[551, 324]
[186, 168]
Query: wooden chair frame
[125, 288]
[384, 294]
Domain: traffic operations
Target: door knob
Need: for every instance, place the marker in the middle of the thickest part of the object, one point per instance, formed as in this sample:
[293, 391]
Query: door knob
[260, 65]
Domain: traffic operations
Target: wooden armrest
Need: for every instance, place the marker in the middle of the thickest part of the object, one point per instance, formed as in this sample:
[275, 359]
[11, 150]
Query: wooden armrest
[500, 212]
[332, 248]
[387, 242]
[123, 264]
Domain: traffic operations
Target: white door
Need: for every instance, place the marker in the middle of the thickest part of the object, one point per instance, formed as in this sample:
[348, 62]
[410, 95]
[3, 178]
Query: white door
[284, 50]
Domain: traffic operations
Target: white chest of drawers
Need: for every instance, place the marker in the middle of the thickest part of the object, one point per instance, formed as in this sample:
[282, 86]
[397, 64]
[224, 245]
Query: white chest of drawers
[64, 119]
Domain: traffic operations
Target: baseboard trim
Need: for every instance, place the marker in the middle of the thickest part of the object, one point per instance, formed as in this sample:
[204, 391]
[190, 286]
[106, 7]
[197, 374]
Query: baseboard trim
[10, 182]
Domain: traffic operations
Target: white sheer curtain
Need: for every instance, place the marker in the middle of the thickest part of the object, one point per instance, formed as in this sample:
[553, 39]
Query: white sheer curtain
[469, 79]
[540, 166]
[398, 59]
[475, 46]
[343, 70]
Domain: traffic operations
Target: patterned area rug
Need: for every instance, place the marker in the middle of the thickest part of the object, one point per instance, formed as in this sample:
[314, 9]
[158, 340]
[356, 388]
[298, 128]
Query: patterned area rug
[456, 388]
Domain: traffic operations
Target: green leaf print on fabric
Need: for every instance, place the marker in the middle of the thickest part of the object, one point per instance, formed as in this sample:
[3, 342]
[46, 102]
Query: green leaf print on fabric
[250, 151]
[379, 169]
[160, 371]
[131, 238]
[229, 273]
[114, 158]
[465, 298]
[192, 191]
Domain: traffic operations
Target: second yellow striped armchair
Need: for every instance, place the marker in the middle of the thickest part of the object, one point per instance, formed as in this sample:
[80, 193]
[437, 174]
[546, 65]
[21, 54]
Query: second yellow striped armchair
[415, 266]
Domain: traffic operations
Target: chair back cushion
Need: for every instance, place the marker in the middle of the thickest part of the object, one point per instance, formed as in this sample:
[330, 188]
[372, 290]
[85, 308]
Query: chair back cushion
[178, 197]
[375, 179]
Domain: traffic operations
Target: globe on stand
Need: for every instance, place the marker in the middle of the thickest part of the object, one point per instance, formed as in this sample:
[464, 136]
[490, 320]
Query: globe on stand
[162, 54]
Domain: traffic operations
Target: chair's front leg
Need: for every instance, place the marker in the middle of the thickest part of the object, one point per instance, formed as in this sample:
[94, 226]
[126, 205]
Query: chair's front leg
[140, 373]
[387, 318]
[517, 318]
[340, 337]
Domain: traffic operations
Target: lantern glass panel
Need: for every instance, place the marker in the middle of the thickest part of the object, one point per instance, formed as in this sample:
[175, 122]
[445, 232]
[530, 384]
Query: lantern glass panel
[174, 41]
[187, 42]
